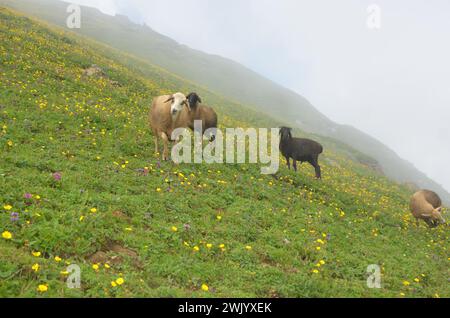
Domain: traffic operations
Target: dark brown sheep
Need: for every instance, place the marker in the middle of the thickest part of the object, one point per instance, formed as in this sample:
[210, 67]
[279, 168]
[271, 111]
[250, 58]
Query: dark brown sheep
[299, 149]
[201, 112]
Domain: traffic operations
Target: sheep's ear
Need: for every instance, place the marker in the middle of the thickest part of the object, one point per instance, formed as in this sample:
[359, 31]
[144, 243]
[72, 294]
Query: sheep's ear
[199, 99]
[439, 209]
[185, 102]
[171, 99]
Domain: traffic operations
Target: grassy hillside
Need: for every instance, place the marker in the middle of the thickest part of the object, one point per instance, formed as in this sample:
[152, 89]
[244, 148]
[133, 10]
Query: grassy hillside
[79, 184]
[219, 75]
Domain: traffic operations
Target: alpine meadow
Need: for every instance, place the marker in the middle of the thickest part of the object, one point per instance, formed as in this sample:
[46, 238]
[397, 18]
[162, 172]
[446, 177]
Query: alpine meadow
[82, 188]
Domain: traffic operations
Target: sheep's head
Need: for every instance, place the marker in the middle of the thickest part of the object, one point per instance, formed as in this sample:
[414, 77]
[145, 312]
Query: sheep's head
[436, 215]
[285, 133]
[193, 100]
[178, 101]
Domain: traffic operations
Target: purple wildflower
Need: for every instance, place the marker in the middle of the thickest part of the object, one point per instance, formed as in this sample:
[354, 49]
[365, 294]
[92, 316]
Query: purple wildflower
[14, 217]
[57, 176]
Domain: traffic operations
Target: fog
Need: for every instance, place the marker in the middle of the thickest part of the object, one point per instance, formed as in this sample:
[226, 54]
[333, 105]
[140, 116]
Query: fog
[391, 82]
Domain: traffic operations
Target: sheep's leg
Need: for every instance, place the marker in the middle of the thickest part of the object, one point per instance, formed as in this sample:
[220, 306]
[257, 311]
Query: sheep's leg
[295, 164]
[318, 171]
[156, 139]
[212, 135]
[288, 162]
[166, 146]
[315, 163]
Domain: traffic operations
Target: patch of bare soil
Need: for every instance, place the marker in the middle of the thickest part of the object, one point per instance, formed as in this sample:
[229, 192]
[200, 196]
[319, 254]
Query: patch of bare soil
[113, 253]
[122, 216]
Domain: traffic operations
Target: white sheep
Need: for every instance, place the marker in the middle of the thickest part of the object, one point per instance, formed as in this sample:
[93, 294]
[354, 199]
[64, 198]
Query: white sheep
[164, 118]
[427, 205]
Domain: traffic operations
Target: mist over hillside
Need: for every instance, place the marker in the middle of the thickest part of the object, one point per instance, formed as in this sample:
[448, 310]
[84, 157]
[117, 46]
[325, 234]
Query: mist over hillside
[82, 187]
[228, 79]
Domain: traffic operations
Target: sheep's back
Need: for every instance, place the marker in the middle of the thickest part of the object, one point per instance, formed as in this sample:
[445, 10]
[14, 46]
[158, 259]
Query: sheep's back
[160, 112]
[432, 198]
[308, 146]
[423, 202]
[207, 115]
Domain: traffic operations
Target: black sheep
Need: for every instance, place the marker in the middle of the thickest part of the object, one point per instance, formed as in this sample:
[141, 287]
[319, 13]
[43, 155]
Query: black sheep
[299, 149]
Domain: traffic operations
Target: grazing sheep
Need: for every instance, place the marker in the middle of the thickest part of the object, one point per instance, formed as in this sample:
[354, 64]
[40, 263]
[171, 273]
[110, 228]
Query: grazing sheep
[299, 149]
[427, 205]
[165, 117]
[201, 112]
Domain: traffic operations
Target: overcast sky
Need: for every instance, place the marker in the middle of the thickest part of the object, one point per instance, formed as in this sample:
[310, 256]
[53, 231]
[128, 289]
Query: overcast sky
[392, 82]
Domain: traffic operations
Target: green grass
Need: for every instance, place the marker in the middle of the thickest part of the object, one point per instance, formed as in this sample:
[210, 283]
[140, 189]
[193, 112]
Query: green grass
[95, 133]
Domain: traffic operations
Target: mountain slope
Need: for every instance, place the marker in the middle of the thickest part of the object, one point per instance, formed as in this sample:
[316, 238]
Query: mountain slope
[79, 185]
[219, 75]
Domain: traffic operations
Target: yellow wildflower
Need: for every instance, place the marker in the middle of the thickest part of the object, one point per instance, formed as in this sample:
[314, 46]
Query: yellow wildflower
[7, 235]
[42, 288]
[120, 281]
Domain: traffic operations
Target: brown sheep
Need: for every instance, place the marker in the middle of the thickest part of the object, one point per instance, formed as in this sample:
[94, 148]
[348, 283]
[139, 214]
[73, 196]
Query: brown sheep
[202, 112]
[165, 115]
[427, 205]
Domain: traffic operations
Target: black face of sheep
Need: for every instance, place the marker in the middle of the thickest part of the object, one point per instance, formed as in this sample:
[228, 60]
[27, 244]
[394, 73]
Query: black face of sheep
[299, 149]
[193, 99]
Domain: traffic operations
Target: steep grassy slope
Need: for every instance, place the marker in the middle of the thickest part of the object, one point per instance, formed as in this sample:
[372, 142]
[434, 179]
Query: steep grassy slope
[219, 75]
[138, 227]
